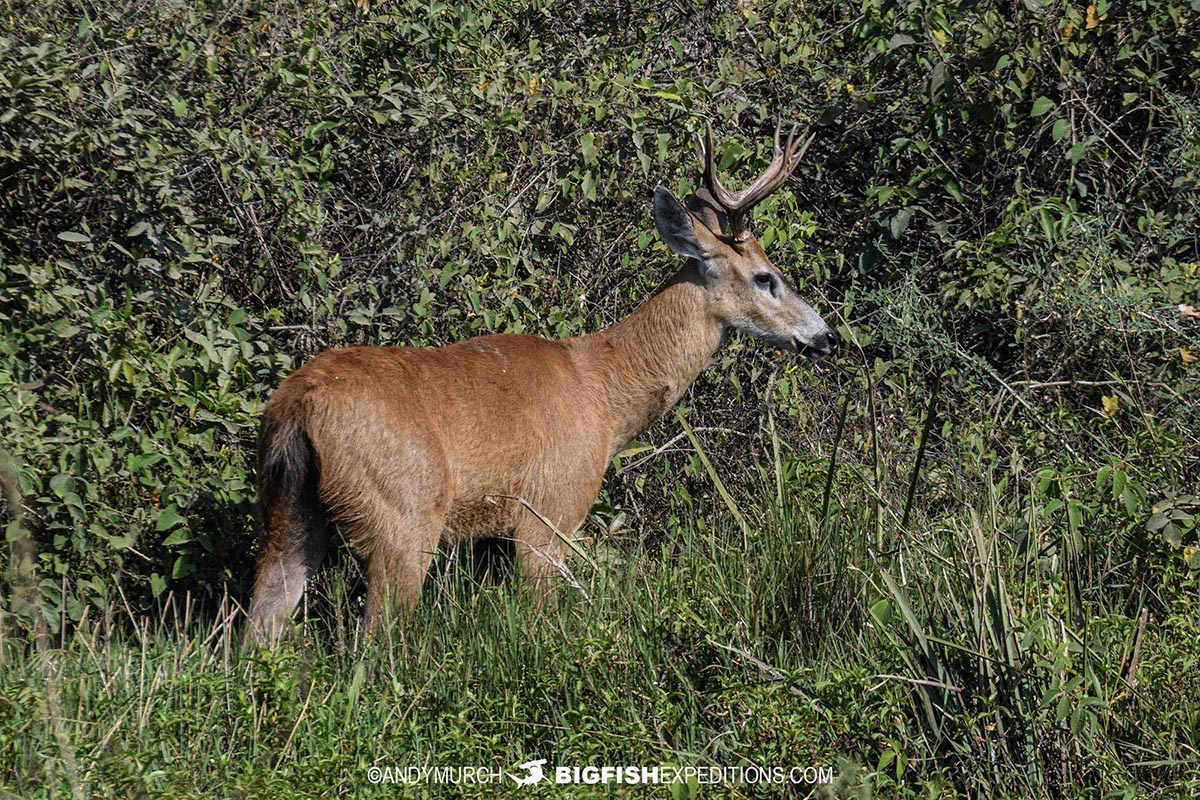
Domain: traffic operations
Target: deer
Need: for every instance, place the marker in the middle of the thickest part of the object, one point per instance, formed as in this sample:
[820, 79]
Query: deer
[402, 450]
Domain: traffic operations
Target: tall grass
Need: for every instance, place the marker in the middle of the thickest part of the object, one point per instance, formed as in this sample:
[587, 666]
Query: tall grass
[952, 664]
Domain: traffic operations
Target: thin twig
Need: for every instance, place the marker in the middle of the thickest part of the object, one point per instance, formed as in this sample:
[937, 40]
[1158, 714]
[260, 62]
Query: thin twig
[1052, 384]
[775, 675]
[1131, 673]
[569, 541]
[1137, 158]
[667, 445]
[918, 681]
[1037, 417]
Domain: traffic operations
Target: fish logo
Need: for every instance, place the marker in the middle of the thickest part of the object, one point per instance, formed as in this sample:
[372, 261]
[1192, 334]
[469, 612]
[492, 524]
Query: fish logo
[533, 770]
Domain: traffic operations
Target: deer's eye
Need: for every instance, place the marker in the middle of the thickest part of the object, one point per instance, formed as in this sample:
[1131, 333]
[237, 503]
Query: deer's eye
[764, 280]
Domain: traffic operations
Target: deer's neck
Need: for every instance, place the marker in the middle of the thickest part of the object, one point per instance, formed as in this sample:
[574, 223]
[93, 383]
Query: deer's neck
[645, 362]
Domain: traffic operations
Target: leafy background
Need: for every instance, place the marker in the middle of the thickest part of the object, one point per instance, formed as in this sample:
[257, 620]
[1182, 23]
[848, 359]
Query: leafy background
[1001, 210]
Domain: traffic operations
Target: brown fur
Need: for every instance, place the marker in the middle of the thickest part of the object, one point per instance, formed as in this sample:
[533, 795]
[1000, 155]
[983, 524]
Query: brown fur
[402, 448]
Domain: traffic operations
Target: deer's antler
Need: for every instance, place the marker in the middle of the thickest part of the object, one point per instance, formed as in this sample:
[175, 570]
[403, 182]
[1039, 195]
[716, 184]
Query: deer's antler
[737, 205]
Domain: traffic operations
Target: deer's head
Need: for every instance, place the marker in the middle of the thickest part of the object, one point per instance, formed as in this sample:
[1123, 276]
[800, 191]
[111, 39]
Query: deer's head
[744, 289]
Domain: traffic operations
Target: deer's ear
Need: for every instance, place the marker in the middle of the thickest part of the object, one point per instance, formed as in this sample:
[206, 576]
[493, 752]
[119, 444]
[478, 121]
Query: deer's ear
[678, 229]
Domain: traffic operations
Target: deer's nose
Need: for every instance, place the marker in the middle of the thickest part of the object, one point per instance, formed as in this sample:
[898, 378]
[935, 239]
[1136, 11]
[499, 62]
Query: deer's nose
[823, 344]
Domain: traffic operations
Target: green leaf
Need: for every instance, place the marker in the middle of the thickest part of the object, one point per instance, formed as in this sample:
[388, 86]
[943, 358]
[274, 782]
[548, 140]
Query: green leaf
[900, 221]
[1119, 479]
[202, 340]
[588, 147]
[1047, 224]
[74, 503]
[1131, 499]
[1172, 534]
[72, 236]
[61, 484]
[183, 567]
[730, 503]
[937, 79]
[1075, 511]
[1061, 128]
[1042, 106]
[881, 612]
[181, 536]
[1064, 706]
[169, 518]
[953, 189]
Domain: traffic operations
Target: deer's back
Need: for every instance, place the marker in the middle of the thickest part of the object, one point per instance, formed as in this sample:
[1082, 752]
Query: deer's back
[495, 415]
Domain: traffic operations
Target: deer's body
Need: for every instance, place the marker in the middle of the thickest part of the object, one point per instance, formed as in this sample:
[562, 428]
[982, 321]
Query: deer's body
[403, 449]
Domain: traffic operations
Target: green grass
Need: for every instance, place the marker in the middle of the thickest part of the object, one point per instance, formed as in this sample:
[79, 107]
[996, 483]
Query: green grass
[954, 660]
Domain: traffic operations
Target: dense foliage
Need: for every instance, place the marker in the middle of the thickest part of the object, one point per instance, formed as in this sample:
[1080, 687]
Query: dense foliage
[1001, 210]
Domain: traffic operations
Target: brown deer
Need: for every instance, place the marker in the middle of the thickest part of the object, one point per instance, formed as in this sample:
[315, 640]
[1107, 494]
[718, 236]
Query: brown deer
[403, 449]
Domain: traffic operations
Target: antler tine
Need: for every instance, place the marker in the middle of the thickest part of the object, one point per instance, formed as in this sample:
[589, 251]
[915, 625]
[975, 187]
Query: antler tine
[796, 159]
[737, 205]
[778, 128]
[708, 151]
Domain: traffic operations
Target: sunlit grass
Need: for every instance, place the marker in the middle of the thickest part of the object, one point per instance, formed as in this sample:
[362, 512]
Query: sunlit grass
[948, 662]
